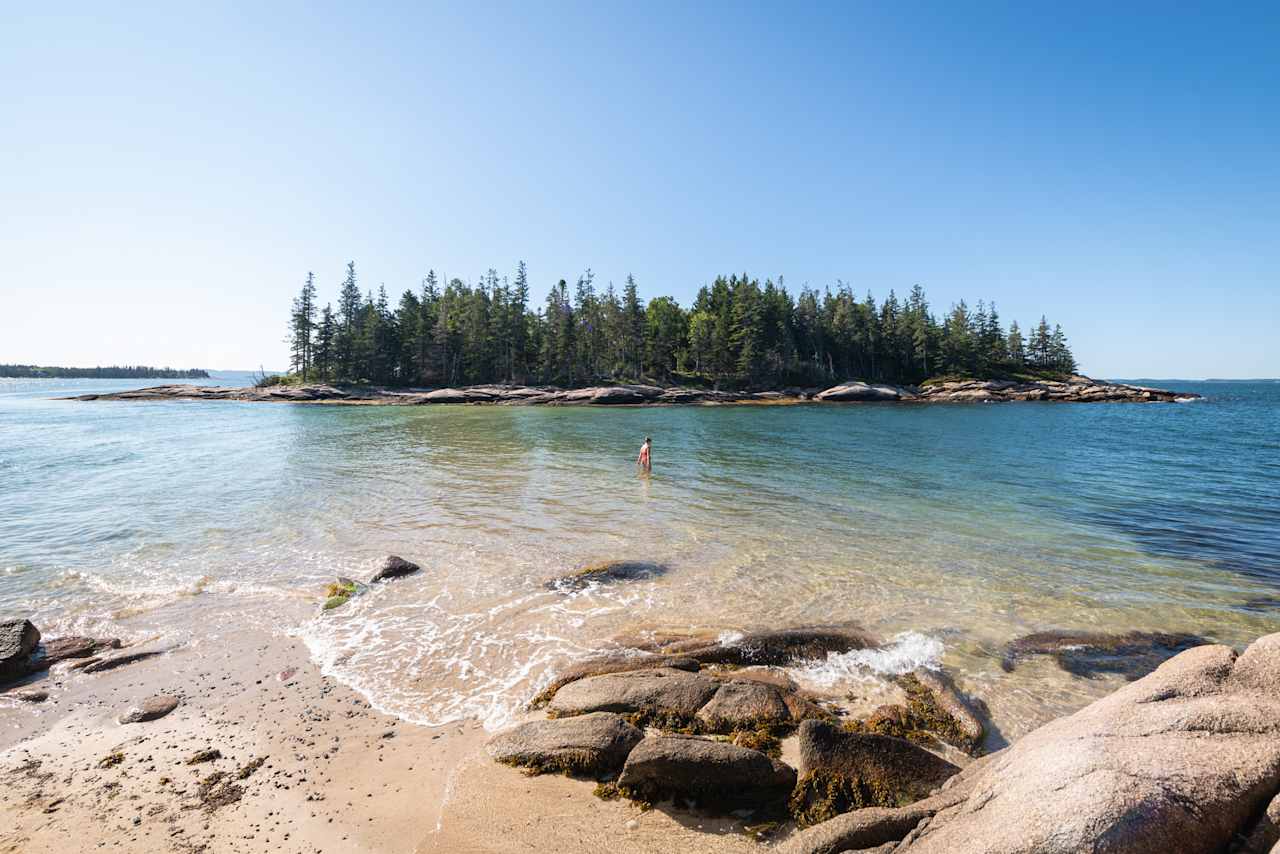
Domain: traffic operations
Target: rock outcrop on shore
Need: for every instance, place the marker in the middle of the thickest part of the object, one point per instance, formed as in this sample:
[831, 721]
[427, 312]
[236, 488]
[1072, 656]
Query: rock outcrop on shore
[1184, 759]
[1077, 389]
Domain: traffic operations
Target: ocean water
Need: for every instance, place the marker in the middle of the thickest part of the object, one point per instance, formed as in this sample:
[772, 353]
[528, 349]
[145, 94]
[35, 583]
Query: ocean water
[947, 530]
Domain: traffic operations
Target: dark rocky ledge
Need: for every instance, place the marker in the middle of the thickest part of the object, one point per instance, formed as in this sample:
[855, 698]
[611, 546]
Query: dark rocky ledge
[1077, 390]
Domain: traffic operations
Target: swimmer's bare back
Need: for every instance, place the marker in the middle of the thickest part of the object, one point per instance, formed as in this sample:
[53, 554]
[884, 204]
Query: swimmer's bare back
[643, 461]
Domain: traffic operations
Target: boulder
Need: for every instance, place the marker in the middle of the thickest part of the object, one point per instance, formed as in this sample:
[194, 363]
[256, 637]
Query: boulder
[149, 709]
[1185, 759]
[605, 572]
[393, 567]
[591, 745]
[843, 770]
[18, 639]
[614, 663]
[742, 705]
[1089, 654]
[859, 391]
[714, 774]
[664, 693]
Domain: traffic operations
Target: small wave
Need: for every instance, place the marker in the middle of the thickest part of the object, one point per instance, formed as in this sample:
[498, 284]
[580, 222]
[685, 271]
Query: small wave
[905, 653]
[1187, 399]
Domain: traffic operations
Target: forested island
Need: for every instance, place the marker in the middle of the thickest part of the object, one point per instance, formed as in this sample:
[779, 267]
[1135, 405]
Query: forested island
[738, 334]
[114, 372]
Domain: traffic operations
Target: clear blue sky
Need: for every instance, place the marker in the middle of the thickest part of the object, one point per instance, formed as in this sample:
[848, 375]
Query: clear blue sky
[169, 173]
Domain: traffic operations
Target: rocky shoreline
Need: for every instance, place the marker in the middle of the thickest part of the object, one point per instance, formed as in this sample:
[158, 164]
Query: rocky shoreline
[703, 734]
[1185, 758]
[1077, 389]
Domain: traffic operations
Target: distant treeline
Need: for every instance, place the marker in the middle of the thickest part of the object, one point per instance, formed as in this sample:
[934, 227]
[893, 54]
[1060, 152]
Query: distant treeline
[115, 372]
[738, 333]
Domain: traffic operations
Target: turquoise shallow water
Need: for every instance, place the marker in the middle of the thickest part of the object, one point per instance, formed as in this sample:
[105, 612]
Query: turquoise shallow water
[947, 529]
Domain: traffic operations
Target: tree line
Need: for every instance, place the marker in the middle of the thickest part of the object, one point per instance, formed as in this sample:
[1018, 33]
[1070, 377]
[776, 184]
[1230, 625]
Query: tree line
[114, 372]
[738, 333]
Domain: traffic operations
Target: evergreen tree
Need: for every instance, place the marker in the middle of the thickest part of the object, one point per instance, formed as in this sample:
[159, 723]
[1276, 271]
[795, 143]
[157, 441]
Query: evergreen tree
[1015, 347]
[301, 327]
[736, 334]
[326, 335]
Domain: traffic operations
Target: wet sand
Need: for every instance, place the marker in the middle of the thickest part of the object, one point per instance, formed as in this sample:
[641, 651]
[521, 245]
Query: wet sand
[305, 766]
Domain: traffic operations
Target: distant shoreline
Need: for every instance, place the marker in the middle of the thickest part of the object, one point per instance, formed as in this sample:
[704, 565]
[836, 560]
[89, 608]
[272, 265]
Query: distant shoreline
[112, 372]
[1077, 390]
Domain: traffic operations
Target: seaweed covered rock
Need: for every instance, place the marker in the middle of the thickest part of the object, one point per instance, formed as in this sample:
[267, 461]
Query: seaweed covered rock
[18, 639]
[589, 745]
[1089, 654]
[934, 711]
[613, 663]
[1185, 759]
[775, 647]
[713, 774]
[841, 771]
[340, 592]
[605, 572]
[933, 697]
[393, 566]
[662, 693]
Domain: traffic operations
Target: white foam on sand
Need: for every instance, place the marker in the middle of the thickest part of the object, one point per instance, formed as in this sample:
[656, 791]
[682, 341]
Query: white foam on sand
[904, 653]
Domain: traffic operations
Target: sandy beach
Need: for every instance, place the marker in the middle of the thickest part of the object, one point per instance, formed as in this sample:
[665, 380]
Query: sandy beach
[305, 765]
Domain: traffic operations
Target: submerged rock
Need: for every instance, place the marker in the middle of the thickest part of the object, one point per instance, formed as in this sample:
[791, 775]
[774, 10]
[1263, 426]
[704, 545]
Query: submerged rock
[393, 566]
[150, 709]
[1185, 759]
[778, 647]
[1089, 654]
[18, 639]
[664, 692]
[843, 770]
[606, 572]
[591, 745]
[713, 774]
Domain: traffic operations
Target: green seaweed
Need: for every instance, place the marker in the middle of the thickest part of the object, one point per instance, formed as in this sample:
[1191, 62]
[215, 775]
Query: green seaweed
[576, 763]
[922, 720]
[821, 795]
[337, 594]
[607, 791]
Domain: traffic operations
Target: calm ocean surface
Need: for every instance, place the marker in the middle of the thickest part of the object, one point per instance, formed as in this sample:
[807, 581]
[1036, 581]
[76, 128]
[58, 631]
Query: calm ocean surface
[946, 529]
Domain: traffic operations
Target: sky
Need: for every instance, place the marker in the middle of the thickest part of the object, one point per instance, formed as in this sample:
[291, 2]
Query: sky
[169, 173]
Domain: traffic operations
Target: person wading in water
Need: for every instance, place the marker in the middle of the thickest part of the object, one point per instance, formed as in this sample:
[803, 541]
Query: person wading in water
[643, 460]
